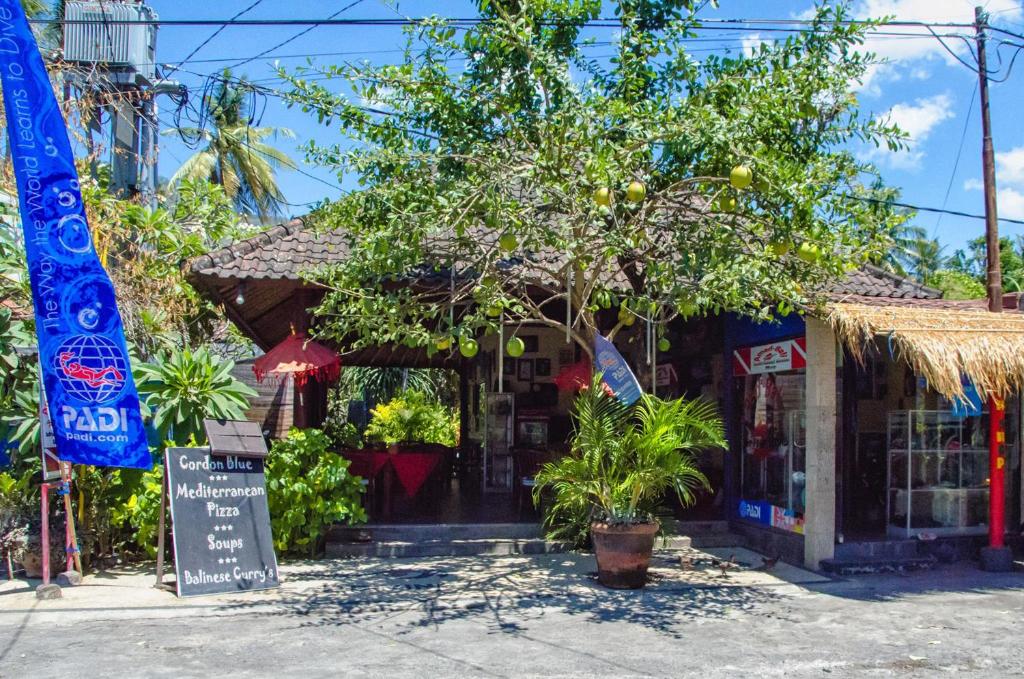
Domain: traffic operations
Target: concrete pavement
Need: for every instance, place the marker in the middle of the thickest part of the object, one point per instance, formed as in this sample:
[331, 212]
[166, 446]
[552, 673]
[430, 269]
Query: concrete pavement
[539, 615]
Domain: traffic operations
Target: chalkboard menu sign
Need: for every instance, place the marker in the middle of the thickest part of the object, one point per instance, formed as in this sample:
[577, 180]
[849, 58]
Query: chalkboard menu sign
[221, 523]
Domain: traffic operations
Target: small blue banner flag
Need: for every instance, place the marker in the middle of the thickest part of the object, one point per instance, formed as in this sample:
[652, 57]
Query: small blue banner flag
[94, 406]
[615, 371]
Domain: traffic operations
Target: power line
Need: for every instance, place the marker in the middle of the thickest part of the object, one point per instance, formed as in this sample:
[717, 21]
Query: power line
[297, 35]
[706, 24]
[297, 168]
[959, 150]
[212, 36]
[955, 213]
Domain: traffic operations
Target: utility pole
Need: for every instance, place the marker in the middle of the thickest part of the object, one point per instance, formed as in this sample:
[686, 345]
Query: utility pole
[988, 164]
[995, 557]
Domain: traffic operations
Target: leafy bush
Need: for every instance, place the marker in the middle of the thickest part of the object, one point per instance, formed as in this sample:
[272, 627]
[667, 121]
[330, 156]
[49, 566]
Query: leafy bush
[624, 459]
[412, 416]
[182, 387]
[141, 511]
[309, 488]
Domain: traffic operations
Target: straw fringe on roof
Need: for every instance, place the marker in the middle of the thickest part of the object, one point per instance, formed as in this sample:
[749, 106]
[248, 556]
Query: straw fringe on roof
[940, 345]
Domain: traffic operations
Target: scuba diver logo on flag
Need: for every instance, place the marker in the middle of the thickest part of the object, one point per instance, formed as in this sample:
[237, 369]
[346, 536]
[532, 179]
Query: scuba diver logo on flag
[94, 406]
[615, 371]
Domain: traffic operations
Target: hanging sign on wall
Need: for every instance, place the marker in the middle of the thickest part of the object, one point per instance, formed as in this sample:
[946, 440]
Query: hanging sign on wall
[770, 358]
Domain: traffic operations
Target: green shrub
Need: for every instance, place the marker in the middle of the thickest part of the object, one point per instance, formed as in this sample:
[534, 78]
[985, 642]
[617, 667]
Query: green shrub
[183, 387]
[623, 460]
[412, 416]
[309, 488]
[141, 511]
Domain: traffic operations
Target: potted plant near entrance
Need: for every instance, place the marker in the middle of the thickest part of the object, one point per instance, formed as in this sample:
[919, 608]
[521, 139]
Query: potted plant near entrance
[622, 463]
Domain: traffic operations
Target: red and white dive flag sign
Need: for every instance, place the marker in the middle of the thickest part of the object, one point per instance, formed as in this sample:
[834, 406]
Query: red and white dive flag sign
[770, 358]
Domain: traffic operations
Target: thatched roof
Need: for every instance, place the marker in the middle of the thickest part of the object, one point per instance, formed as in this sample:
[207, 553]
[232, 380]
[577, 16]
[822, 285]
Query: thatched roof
[942, 345]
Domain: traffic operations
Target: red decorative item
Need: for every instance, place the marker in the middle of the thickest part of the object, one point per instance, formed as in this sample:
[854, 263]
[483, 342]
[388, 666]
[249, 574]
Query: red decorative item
[300, 357]
[574, 377]
[413, 469]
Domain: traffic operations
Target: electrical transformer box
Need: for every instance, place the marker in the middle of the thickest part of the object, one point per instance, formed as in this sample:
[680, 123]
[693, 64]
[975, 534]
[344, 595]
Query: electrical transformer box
[117, 36]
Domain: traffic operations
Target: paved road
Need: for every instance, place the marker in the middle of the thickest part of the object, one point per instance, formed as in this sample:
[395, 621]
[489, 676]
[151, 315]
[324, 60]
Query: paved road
[529, 616]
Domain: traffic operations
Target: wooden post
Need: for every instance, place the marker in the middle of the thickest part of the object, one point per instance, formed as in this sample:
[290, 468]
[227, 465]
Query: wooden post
[994, 278]
[70, 536]
[44, 494]
[162, 530]
[820, 514]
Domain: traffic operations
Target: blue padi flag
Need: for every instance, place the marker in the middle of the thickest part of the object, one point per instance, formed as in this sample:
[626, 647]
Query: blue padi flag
[93, 403]
[615, 372]
[971, 405]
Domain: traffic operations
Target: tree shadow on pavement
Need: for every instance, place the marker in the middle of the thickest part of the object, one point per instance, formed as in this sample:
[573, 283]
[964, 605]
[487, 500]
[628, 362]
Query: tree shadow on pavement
[504, 593]
[956, 578]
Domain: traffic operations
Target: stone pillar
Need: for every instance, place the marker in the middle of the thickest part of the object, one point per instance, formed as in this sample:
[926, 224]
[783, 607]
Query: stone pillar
[820, 514]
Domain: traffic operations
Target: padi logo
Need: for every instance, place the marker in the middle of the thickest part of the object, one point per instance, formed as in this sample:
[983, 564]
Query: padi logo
[91, 368]
[93, 420]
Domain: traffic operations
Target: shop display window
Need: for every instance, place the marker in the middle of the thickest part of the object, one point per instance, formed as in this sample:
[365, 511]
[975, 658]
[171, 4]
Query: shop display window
[774, 451]
[938, 473]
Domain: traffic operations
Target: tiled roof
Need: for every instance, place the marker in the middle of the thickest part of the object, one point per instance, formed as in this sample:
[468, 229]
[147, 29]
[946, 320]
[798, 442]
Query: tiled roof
[871, 281]
[285, 251]
[282, 252]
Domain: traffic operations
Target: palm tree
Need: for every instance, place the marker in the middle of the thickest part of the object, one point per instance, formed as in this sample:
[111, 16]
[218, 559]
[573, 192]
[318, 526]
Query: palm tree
[913, 253]
[624, 460]
[236, 155]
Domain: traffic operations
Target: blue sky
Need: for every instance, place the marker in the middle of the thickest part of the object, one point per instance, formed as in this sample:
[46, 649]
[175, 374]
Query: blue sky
[922, 88]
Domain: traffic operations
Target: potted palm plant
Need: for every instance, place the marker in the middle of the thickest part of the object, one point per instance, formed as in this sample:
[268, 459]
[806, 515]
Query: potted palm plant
[623, 460]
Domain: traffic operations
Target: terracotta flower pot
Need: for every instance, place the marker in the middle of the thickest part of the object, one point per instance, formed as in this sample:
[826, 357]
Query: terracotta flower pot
[623, 553]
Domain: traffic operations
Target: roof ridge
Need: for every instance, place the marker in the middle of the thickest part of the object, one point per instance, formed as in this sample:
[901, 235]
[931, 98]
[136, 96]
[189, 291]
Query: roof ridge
[244, 247]
[902, 280]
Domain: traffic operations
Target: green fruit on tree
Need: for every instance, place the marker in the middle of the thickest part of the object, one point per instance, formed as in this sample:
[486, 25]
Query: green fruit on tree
[626, 316]
[636, 192]
[515, 347]
[508, 242]
[443, 343]
[808, 252]
[727, 203]
[494, 310]
[664, 345]
[468, 347]
[603, 196]
[779, 248]
[686, 307]
[741, 177]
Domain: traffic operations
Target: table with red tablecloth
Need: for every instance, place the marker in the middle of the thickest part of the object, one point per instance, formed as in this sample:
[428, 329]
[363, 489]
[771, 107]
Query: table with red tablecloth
[411, 466]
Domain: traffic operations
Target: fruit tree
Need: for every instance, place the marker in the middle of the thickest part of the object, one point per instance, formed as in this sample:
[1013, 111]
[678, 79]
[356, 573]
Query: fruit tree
[505, 167]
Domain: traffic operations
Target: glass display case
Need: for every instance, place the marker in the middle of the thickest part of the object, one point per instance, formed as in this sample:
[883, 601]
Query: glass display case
[937, 474]
[498, 437]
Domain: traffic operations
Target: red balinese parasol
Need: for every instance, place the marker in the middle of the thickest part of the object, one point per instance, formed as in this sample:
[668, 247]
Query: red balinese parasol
[300, 357]
[574, 377]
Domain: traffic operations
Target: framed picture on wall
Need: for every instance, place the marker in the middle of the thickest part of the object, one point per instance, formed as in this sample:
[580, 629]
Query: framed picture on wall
[524, 369]
[542, 367]
[509, 367]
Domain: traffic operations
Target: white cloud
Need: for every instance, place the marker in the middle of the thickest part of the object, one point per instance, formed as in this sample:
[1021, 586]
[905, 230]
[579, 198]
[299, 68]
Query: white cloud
[1009, 183]
[903, 51]
[918, 120]
[751, 43]
[1010, 166]
[1010, 203]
